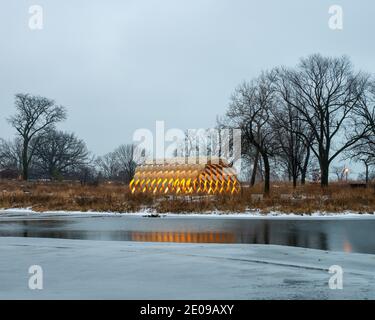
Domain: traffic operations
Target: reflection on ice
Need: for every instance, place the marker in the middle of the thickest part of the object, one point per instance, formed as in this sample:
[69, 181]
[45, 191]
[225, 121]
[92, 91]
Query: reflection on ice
[186, 237]
[346, 235]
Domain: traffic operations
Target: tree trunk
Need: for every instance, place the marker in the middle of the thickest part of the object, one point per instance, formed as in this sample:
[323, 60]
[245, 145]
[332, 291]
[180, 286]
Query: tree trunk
[294, 181]
[303, 177]
[25, 162]
[260, 169]
[266, 174]
[255, 169]
[324, 172]
[367, 178]
[304, 168]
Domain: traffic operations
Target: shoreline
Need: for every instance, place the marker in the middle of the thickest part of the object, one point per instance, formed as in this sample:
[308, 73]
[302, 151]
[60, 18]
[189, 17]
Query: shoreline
[256, 214]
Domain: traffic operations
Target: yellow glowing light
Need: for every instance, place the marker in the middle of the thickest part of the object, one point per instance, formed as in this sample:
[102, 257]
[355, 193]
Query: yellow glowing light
[185, 178]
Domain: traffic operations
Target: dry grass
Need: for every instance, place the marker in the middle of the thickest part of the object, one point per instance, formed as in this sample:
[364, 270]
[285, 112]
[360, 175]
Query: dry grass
[42, 196]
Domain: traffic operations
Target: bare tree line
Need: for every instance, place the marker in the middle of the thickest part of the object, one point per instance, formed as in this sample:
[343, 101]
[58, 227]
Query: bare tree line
[291, 120]
[320, 109]
[40, 151]
[120, 164]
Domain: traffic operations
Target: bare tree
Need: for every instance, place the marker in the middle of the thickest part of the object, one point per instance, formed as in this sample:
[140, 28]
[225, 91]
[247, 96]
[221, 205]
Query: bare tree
[250, 110]
[191, 145]
[293, 140]
[121, 163]
[250, 156]
[219, 142]
[34, 114]
[108, 165]
[11, 155]
[57, 153]
[87, 174]
[128, 156]
[364, 150]
[327, 94]
[251, 159]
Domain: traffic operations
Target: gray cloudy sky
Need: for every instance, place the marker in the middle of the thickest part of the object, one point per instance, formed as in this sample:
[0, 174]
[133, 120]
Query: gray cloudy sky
[122, 65]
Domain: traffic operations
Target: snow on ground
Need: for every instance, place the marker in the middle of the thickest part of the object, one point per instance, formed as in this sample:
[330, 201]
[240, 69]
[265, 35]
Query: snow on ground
[250, 214]
[81, 269]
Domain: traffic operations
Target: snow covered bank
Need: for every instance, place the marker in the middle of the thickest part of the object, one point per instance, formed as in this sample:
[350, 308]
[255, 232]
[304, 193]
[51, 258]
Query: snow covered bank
[249, 214]
[80, 269]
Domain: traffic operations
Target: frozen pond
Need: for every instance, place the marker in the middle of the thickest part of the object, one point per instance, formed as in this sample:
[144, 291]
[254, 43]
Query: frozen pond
[89, 269]
[346, 235]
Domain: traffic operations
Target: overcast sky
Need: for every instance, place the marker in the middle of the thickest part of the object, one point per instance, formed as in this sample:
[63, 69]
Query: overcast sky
[119, 65]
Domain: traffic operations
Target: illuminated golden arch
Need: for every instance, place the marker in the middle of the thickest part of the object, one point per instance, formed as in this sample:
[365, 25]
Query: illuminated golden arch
[185, 176]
